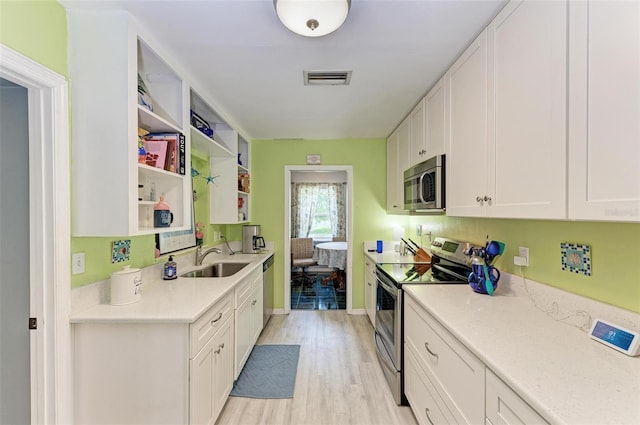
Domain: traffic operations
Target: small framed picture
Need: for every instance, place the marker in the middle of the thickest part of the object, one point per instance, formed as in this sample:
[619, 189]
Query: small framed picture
[576, 258]
[313, 159]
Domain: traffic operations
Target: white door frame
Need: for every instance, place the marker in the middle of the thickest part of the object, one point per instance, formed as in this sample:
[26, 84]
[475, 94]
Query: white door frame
[50, 235]
[288, 169]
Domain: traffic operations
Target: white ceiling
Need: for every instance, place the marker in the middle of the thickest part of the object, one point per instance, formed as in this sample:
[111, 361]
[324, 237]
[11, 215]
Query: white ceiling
[253, 65]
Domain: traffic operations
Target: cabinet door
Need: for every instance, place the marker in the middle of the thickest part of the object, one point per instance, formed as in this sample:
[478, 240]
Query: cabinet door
[417, 149]
[243, 336]
[604, 124]
[203, 405]
[394, 180]
[527, 110]
[434, 105]
[404, 145]
[256, 312]
[223, 369]
[466, 168]
[370, 290]
[504, 407]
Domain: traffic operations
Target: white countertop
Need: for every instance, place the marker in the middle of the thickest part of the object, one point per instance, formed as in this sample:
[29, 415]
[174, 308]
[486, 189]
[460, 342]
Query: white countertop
[389, 257]
[181, 300]
[554, 366]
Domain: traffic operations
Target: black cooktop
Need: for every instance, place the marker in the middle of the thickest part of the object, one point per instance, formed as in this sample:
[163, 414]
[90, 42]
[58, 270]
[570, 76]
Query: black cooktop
[415, 273]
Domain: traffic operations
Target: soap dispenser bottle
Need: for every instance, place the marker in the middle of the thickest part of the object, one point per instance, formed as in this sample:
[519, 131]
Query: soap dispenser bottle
[170, 270]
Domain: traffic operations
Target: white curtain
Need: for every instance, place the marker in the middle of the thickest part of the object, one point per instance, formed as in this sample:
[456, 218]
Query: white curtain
[303, 206]
[304, 200]
[337, 214]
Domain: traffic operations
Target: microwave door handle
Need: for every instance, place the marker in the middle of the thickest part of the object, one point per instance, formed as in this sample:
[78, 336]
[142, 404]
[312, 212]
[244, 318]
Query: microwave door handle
[420, 191]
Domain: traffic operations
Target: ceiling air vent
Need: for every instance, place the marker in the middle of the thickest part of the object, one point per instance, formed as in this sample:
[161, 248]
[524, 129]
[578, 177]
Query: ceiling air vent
[327, 78]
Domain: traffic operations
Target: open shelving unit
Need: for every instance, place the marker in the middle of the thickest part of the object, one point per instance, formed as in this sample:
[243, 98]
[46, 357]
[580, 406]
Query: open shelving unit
[107, 198]
[225, 151]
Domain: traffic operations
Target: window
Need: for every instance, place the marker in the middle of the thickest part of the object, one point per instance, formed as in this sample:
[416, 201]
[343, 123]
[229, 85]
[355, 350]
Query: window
[318, 210]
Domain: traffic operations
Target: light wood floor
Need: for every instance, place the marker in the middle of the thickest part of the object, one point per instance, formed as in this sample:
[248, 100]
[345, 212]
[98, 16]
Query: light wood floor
[339, 378]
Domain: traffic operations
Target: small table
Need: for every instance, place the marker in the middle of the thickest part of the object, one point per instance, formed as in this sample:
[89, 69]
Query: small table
[331, 254]
[334, 255]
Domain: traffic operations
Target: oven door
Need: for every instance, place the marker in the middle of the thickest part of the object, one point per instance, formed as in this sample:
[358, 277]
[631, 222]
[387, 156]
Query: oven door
[389, 317]
[388, 334]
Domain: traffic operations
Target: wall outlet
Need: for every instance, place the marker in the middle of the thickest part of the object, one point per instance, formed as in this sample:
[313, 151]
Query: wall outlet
[77, 263]
[216, 236]
[523, 257]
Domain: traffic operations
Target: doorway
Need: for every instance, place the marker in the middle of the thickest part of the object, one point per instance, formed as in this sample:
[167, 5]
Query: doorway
[15, 374]
[322, 282]
[39, 183]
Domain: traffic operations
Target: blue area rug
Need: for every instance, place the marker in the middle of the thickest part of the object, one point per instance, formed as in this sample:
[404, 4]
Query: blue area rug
[270, 372]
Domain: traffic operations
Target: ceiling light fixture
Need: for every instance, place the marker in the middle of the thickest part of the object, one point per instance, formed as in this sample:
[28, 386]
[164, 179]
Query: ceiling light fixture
[312, 18]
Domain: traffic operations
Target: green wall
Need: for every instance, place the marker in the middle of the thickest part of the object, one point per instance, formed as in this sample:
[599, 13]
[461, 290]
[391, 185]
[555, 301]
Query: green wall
[368, 158]
[36, 29]
[615, 249]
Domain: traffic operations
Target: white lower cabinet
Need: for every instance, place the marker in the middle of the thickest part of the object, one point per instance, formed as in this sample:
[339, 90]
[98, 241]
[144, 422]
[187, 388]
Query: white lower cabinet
[370, 289]
[447, 384]
[248, 316]
[504, 407]
[211, 372]
[158, 372]
[456, 374]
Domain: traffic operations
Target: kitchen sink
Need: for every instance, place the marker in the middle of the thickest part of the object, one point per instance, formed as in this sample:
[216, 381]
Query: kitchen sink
[217, 270]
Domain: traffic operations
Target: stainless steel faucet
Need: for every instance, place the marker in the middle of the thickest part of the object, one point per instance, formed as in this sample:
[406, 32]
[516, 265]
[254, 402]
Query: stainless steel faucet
[200, 256]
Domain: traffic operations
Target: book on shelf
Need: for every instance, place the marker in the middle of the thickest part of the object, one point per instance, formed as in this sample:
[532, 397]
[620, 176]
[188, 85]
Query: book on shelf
[175, 150]
[156, 153]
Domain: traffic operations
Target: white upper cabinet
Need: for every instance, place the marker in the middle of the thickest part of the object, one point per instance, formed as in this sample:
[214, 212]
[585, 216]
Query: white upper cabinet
[507, 110]
[466, 162]
[604, 113]
[394, 184]
[417, 142]
[107, 52]
[527, 110]
[434, 113]
[404, 149]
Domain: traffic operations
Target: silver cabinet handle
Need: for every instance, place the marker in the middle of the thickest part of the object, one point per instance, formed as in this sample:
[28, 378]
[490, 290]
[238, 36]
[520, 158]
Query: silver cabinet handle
[426, 412]
[221, 345]
[487, 198]
[479, 199]
[217, 318]
[369, 283]
[217, 351]
[254, 302]
[426, 345]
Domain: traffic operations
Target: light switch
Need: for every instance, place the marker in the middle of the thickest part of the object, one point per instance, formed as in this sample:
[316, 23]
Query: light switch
[77, 263]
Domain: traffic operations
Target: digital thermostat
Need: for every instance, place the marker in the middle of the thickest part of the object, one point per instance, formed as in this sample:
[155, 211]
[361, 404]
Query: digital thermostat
[616, 337]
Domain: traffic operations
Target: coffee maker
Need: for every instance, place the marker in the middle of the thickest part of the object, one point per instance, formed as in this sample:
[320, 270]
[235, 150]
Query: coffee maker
[252, 242]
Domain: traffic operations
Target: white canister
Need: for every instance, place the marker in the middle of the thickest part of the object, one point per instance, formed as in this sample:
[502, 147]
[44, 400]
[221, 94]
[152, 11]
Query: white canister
[126, 286]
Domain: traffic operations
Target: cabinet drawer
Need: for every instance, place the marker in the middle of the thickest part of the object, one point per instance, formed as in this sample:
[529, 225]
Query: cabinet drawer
[207, 325]
[456, 373]
[505, 407]
[426, 404]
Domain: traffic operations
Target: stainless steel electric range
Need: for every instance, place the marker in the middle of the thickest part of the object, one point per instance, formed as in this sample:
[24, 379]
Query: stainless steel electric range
[449, 265]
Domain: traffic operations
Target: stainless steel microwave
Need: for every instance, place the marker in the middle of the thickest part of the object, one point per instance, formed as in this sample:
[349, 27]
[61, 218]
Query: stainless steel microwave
[424, 186]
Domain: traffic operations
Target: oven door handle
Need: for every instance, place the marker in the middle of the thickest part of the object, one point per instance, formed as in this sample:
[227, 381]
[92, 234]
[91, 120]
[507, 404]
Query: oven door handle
[393, 290]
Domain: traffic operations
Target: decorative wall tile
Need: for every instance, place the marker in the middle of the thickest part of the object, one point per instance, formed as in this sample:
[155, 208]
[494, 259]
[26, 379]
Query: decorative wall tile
[576, 258]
